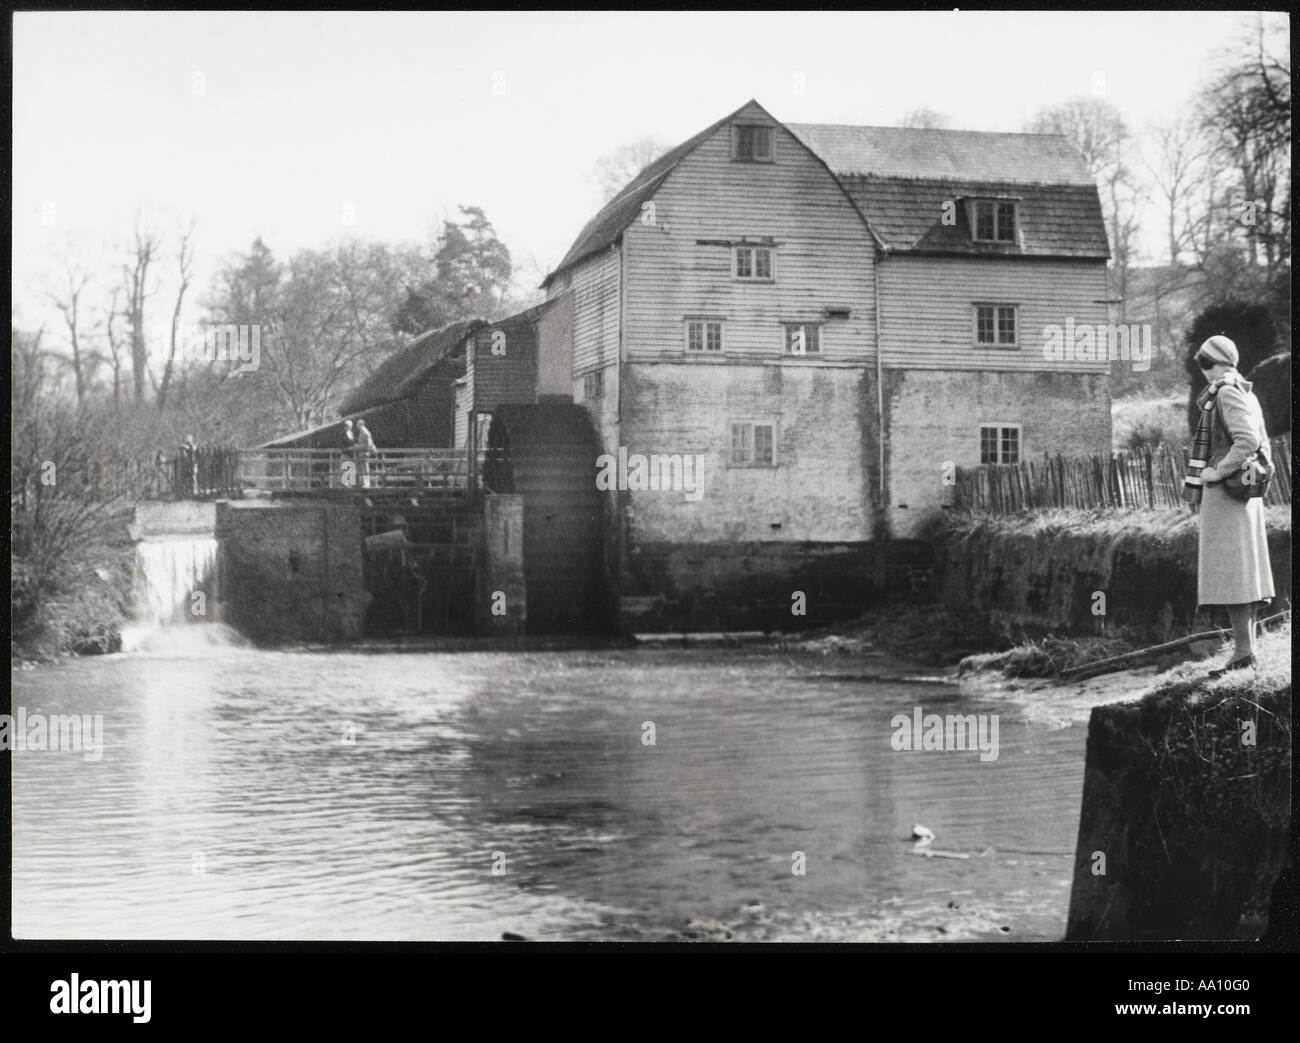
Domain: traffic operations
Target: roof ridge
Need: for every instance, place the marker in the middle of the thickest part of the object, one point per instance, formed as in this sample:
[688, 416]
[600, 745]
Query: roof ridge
[933, 130]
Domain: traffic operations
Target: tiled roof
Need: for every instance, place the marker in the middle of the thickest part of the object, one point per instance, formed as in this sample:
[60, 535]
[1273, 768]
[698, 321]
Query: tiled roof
[398, 373]
[1054, 220]
[960, 155]
[899, 178]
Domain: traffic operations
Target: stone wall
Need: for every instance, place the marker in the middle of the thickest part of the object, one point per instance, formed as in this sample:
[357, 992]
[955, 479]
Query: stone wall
[291, 571]
[747, 586]
[934, 417]
[820, 487]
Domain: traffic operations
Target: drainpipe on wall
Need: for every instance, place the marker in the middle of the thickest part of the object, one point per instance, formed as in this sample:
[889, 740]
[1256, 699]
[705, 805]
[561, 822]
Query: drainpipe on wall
[880, 388]
[621, 247]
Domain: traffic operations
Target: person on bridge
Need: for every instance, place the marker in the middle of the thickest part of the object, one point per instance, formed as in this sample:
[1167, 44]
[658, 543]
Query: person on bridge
[190, 464]
[349, 448]
[365, 450]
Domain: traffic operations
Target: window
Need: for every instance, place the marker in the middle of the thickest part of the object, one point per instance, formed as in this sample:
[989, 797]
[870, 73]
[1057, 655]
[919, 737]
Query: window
[704, 335]
[803, 338]
[751, 144]
[994, 220]
[999, 443]
[593, 384]
[995, 325]
[753, 444]
[754, 262]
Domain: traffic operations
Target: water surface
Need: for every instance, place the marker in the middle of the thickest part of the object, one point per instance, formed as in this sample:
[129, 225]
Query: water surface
[277, 795]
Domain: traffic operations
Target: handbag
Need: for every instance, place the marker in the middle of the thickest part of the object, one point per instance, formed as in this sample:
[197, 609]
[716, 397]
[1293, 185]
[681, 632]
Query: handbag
[1251, 479]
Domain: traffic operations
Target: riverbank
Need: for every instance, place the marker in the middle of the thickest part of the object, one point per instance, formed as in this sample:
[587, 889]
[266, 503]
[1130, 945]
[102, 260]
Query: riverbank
[1039, 592]
[1185, 815]
[1085, 575]
[72, 594]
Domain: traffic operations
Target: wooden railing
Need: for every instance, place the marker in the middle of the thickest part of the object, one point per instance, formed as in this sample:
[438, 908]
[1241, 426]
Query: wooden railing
[201, 473]
[425, 471]
[1140, 479]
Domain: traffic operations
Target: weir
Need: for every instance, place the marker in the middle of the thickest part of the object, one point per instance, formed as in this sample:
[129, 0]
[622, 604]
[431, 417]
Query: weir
[174, 580]
[324, 545]
[175, 571]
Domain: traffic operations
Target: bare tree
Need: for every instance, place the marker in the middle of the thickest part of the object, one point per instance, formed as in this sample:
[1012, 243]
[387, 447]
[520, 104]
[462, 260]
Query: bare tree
[925, 119]
[69, 299]
[116, 348]
[185, 272]
[1176, 163]
[1245, 112]
[613, 172]
[135, 278]
[1099, 132]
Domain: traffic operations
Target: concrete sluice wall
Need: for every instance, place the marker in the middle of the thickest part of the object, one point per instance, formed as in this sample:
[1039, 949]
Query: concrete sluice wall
[291, 570]
[1185, 817]
[334, 570]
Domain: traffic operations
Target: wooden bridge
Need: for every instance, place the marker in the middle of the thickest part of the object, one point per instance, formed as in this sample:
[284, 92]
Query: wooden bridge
[425, 472]
[219, 473]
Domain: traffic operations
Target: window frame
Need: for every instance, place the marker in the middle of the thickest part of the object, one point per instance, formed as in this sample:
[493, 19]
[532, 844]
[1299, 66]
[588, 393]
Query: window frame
[705, 321]
[788, 352]
[995, 203]
[751, 463]
[736, 248]
[596, 378]
[996, 344]
[741, 125]
[1001, 427]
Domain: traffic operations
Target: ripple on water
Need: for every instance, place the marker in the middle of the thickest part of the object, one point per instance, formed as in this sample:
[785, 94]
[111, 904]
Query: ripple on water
[251, 794]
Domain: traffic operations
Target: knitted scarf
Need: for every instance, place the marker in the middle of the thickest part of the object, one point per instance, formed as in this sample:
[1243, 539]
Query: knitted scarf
[1200, 456]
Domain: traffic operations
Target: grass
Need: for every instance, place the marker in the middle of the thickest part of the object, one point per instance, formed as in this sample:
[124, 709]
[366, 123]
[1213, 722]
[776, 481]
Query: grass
[1271, 675]
[1049, 656]
[923, 633]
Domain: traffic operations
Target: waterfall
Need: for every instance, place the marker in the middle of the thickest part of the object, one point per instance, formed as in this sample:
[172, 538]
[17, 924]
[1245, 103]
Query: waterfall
[175, 581]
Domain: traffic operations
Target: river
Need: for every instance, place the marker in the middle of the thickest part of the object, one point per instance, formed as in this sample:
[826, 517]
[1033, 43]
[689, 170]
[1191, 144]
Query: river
[247, 794]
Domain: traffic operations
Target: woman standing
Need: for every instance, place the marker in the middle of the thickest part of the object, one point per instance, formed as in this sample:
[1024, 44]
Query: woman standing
[1233, 564]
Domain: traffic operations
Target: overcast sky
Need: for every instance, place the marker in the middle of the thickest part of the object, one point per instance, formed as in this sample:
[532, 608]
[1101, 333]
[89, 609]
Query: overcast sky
[269, 123]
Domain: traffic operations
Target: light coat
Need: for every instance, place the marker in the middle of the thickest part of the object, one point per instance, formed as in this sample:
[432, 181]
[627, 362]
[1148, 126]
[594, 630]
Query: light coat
[1233, 566]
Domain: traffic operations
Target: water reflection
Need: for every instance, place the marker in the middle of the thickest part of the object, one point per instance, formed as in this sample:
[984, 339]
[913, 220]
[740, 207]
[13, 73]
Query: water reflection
[253, 794]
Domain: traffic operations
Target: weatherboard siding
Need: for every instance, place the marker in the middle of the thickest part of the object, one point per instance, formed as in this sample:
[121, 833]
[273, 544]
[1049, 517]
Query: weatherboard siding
[596, 312]
[927, 310]
[824, 256]
[510, 375]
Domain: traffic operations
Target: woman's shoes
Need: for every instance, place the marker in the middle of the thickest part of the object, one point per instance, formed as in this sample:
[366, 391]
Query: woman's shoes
[1236, 664]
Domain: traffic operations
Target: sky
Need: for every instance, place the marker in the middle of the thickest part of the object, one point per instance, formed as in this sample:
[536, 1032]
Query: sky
[304, 128]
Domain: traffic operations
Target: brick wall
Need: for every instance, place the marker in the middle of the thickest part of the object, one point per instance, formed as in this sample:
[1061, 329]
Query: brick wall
[934, 416]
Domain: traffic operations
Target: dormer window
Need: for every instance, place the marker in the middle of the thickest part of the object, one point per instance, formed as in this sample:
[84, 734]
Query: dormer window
[751, 143]
[993, 220]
